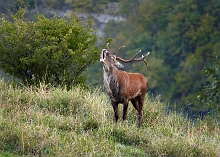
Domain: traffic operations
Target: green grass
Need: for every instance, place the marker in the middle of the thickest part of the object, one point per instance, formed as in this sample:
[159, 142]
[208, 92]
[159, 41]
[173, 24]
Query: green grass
[48, 121]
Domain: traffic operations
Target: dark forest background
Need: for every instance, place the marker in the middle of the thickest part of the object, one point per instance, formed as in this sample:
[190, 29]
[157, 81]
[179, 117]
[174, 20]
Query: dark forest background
[183, 36]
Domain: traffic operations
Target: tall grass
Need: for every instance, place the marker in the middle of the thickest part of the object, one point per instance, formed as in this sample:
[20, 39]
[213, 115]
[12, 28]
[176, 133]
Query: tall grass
[48, 121]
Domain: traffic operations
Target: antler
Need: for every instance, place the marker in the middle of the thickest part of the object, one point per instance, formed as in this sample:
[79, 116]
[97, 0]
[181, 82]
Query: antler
[119, 50]
[134, 58]
[107, 46]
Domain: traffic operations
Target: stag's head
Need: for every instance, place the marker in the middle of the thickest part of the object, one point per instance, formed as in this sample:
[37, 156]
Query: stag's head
[109, 60]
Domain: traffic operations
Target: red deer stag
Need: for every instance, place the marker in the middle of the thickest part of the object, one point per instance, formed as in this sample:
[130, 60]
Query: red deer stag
[121, 86]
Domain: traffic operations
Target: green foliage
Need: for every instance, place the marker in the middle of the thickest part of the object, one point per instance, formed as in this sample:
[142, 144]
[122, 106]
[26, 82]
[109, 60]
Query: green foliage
[55, 50]
[49, 121]
[211, 93]
[194, 39]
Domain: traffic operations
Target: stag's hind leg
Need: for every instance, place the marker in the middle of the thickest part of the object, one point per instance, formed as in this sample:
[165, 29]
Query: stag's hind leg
[135, 104]
[140, 110]
[138, 105]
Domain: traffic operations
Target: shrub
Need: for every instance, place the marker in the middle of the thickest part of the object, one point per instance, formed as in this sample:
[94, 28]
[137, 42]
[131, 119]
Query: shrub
[211, 92]
[53, 50]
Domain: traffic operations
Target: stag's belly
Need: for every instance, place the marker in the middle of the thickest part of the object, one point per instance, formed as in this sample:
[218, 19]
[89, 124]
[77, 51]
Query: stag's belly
[125, 89]
[134, 95]
[118, 93]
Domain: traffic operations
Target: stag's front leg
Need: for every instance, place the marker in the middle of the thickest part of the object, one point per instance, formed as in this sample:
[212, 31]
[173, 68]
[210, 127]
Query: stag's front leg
[125, 109]
[115, 107]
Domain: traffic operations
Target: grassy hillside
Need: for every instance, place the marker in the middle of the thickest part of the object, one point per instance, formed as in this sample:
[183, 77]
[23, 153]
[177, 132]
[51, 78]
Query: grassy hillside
[48, 121]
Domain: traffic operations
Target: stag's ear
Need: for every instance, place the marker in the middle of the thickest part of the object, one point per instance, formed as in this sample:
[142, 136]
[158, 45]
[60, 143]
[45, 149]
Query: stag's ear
[119, 65]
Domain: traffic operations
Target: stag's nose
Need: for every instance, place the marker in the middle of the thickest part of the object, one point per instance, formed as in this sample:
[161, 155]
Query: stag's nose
[102, 60]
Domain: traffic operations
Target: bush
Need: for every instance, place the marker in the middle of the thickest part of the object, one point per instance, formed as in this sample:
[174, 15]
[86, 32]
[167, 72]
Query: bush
[55, 50]
[211, 93]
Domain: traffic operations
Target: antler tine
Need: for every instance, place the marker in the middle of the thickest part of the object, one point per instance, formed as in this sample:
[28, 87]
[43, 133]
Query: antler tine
[134, 58]
[107, 46]
[142, 58]
[119, 50]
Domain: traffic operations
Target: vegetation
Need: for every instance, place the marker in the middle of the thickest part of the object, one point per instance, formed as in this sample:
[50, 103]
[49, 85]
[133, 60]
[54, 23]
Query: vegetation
[211, 92]
[51, 50]
[48, 121]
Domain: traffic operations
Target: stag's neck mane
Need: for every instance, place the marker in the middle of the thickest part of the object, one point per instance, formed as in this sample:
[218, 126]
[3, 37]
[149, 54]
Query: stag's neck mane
[111, 83]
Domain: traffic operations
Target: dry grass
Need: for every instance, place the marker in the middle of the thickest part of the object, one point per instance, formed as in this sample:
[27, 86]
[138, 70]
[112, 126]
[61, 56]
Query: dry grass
[48, 121]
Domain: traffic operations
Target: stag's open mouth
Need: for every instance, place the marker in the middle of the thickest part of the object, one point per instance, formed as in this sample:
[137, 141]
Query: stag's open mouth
[102, 56]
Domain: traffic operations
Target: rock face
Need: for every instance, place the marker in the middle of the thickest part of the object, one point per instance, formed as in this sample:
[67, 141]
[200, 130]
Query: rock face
[101, 20]
[111, 13]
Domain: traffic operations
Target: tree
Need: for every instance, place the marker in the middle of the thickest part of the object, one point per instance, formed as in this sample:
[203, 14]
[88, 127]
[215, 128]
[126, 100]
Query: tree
[55, 50]
[197, 37]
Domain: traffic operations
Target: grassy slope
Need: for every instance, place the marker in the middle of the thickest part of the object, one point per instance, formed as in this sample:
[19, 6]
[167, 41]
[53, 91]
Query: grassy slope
[49, 121]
